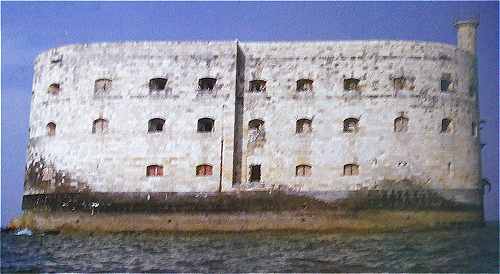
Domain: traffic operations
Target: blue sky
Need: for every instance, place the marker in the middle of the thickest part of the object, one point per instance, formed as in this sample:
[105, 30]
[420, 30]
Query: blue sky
[29, 28]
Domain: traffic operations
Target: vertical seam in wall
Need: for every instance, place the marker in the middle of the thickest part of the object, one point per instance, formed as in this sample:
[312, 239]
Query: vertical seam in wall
[238, 119]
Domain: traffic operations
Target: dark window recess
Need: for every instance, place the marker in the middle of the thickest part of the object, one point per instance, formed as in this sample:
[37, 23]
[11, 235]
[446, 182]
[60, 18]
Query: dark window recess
[446, 126]
[204, 170]
[100, 126]
[256, 130]
[472, 90]
[399, 83]
[51, 129]
[206, 83]
[351, 84]
[446, 83]
[303, 126]
[401, 124]
[303, 170]
[102, 86]
[156, 125]
[351, 170]
[304, 85]
[255, 173]
[205, 125]
[351, 125]
[257, 86]
[474, 129]
[157, 84]
[54, 89]
[154, 170]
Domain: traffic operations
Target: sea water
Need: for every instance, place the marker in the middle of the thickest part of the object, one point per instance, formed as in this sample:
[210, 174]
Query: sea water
[451, 250]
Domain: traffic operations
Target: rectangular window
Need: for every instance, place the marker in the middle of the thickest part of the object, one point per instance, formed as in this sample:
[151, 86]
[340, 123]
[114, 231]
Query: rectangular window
[154, 170]
[255, 173]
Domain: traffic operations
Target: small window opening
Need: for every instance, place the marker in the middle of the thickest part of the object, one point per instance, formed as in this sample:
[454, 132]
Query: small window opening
[446, 126]
[402, 164]
[154, 171]
[474, 129]
[256, 130]
[304, 85]
[156, 85]
[303, 171]
[54, 89]
[156, 125]
[51, 129]
[446, 83]
[399, 83]
[303, 126]
[401, 124]
[472, 90]
[257, 86]
[100, 126]
[351, 170]
[206, 83]
[351, 125]
[56, 58]
[450, 168]
[351, 84]
[102, 86]
[204, 170]
[205, 125]
[255, 173]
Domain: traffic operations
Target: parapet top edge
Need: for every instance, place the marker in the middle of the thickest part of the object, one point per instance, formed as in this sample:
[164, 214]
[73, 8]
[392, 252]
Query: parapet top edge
[234, 42]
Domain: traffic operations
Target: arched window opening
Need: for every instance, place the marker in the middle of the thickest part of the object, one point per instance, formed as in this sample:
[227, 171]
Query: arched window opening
[446, 82]
[156, 85]
[51, 129]
[304, 85]
[351, 125]
[351, 84]
[351, 170]
[399, 83]
[206, 83]
[401, 124]
[102, 86]
[100, 126]
[154, 170]
[303, 171]
[257, 86]
[156, 125]
[54, 89]
[205, 125]
[256, 130]
[204, 170]
[255, 173]
[303, 126]
[446, 126]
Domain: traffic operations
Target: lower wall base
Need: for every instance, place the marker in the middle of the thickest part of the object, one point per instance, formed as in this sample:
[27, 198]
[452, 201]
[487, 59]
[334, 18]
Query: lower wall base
[331, 221]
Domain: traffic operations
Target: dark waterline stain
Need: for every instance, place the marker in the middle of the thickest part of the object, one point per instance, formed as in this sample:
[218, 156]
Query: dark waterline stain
[471, 250]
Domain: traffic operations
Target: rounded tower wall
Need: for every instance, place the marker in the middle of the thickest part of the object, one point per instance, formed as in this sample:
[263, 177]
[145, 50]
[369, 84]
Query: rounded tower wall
[116, 159]
[76, 159]
[447, 162]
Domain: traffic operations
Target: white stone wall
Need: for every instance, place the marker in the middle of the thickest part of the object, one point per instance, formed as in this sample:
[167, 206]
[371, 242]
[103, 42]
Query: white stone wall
[376, 148]
[116, 161]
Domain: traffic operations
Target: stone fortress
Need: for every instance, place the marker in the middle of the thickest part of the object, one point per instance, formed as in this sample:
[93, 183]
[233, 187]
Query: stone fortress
[316, 118]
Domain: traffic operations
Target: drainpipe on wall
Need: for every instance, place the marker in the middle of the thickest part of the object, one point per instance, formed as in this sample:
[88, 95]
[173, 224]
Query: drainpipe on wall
[221, 149]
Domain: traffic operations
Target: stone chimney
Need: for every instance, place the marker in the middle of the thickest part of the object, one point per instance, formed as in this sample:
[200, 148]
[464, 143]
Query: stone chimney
[466, 35]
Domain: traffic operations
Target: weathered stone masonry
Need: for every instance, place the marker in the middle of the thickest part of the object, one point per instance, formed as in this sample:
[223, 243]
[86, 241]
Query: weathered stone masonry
[319, 118]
